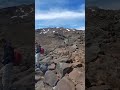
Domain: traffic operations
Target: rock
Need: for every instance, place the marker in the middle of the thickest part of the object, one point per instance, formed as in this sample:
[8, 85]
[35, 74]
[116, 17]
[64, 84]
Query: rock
[39, 86]
[23, 68]
[63, 59]
[52, 67]
[1, 72]
[73, 48]
[87, 83]
[40, 73]
[48, 87]
[37, 77]
[77, 76]
[19, 88]
[1, 85]
[47, 59]
[51, 78]
[77, 64]
[102, 87]
[80, 87]
[62, 51]
[92, 53]
[65, 84]
[63, 68]
[26, 81]
[78, 56]
[44, 67]
[77, 59]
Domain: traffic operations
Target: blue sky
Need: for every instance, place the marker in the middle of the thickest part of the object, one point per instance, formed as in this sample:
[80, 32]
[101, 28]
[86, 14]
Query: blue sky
[60, 13]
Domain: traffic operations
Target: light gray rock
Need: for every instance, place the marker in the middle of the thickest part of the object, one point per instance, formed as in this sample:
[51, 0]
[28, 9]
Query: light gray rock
[63, 68]
[65, 84]
[51, 78]
[52, 67]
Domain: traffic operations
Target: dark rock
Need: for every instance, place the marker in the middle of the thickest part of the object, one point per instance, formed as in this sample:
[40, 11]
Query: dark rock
[102, 87]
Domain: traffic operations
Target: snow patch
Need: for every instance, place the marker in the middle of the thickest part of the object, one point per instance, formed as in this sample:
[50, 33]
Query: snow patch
[43, 29]
[68, 29]
[40, 33]
[53, 31]
[44, 32]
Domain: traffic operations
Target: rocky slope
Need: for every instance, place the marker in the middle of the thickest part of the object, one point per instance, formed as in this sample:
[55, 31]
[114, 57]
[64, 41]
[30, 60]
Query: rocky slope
[66, 70]
[17, 25]
[102, 49]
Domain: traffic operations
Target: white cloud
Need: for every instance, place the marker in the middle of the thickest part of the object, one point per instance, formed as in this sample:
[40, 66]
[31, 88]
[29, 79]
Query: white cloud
[81, 28]
[65, 14]
[59, 16]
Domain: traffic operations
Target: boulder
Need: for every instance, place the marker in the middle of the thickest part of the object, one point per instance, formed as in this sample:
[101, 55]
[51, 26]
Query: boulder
[65, 84]
[80, 87]
[63, 59]
[51, 78]
[92, 53]
[101, 87]
[64, 68]
[39, 86]
[48, 87]
[77, 64]
[77, 76]
[52, 67]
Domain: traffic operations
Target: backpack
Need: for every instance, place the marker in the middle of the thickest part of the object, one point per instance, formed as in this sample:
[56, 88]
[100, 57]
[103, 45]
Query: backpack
[17, 57]
[41, 51]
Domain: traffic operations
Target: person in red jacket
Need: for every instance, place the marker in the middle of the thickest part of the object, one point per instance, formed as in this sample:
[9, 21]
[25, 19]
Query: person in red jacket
[42, 50]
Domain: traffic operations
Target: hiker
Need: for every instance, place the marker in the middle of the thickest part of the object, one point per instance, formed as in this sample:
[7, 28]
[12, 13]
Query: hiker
[39, 64]
[43, 66]
[37, 55]
[41, 50]
[8, 64]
